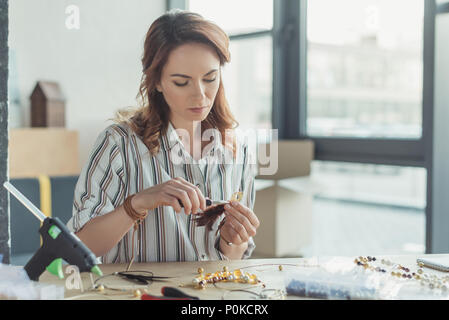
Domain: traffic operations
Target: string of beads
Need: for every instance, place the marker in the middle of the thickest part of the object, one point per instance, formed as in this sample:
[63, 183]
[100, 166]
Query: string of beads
[237, 275]
[431, 281]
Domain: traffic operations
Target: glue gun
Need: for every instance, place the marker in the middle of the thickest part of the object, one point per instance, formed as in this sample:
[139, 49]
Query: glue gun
[58, 243]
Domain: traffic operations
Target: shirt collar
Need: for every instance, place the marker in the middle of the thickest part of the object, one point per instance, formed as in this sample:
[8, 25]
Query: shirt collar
[171, 138]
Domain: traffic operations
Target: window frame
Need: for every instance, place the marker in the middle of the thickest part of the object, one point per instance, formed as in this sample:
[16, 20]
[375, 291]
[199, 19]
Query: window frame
[442, 8]
[289, 111]
[289, 105]
[292, 111]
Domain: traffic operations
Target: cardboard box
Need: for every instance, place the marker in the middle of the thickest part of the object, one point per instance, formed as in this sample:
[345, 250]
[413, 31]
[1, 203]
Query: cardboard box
[48, 151]
[294, 158]
[285, 214]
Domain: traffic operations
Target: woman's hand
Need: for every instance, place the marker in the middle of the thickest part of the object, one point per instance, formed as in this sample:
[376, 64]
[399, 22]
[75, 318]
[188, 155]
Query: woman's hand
[167, 194]
[241, 224]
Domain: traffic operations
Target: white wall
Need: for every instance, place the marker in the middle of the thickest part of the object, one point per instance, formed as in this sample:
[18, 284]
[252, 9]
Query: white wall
[97, 66]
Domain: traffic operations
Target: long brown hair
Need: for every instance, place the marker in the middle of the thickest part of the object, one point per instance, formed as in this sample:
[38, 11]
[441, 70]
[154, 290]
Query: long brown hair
[175, 28]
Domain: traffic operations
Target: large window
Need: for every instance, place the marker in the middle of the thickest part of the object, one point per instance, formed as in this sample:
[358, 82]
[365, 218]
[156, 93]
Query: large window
[365, 84]
[364, 68]
[248, 77]
[236, 16]
[356, 77]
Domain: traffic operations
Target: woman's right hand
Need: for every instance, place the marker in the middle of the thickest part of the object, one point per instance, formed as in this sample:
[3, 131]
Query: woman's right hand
[167, 194]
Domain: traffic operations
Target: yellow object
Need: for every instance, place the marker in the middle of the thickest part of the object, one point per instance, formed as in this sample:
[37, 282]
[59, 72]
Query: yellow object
[137, 293]
[237, 196]
[45, 195]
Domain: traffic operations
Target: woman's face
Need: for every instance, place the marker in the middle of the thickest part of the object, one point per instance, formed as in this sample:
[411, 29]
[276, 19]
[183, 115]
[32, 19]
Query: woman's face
[189, 82]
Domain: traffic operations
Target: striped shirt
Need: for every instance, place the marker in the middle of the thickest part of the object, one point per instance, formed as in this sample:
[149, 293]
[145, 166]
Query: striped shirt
[120, 165]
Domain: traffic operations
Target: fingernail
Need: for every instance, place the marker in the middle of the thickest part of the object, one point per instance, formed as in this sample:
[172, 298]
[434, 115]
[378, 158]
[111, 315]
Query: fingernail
[234, 203]
[227, 207]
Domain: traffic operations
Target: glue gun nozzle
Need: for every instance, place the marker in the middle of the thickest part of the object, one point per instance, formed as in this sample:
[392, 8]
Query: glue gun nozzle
[96, 270]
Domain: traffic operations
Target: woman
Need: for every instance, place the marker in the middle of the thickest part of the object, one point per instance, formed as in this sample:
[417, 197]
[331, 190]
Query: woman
[131, 172]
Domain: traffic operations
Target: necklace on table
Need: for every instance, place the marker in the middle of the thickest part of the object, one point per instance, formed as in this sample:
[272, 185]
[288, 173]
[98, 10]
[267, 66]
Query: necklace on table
[399, 271]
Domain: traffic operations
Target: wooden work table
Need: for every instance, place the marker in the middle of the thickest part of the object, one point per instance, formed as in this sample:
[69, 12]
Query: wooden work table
[267, 270]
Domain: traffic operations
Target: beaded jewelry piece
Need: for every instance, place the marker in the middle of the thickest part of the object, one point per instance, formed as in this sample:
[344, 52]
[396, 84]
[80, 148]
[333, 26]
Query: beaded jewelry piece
[431, 281]
[237, 276]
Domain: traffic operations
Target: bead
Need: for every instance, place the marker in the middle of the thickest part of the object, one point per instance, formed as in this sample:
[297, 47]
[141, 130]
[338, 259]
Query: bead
[137, 293]
[225, 269]
[280, 267]
[200, 270]
[196, 281]
[100, 288]
[420, 264]
[420, 271]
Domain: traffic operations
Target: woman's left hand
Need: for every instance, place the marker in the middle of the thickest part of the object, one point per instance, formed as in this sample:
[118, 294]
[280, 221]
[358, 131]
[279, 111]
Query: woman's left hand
[241, 224]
